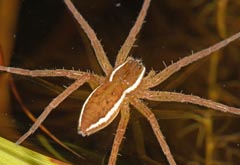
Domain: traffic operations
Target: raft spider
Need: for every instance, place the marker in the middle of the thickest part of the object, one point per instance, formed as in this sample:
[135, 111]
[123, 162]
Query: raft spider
[124, 84]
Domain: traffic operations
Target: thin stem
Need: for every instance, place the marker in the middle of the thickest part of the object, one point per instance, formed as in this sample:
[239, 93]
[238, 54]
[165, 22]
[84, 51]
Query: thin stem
[99, 51]
[146, 112]
[53, 104]
[183, 98]
[128, 44]
[173, 68]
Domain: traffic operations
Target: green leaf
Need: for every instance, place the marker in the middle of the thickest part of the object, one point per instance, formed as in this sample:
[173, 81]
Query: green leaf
[11, 154]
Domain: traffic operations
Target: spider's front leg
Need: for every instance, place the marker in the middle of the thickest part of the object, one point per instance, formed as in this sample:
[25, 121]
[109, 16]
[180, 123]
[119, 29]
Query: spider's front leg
[146, 112]
[173, 68]
[54, 103]
[98, 48]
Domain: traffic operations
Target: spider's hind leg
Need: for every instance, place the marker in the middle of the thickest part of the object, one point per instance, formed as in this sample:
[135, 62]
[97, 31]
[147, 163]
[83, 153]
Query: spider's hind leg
[53, 104]
[146, 112]
[122, 126]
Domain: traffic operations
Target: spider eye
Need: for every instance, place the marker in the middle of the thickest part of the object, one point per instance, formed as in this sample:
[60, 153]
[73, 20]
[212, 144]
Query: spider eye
[139, 67]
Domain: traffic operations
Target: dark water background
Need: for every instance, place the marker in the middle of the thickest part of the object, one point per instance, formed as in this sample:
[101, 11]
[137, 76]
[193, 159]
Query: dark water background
[47, 37]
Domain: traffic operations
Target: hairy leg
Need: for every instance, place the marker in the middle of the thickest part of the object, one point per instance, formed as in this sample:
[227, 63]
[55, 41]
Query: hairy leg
[99, 51]
[179, 97]
[31, 116]
[119, 133]
[173, 68]
[72, 74]
[53, 104]
[128, 44]
[146, 112]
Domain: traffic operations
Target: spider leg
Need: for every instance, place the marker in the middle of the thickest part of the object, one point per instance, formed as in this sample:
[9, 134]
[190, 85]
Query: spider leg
[98, 49]
[53, 104]
[179, 97]
[94, 80]
[173, 68]
[119, 133]
[128, 44]
[72, 74]
[146, 79]
[31, 116]
[138, 138]
[146, 112]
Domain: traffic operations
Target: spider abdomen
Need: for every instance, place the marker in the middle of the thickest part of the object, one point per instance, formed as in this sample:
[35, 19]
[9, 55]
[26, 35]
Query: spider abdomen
[102, 105]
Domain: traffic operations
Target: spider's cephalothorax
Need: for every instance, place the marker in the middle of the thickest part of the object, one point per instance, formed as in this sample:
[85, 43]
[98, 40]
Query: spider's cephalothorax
[102, 105]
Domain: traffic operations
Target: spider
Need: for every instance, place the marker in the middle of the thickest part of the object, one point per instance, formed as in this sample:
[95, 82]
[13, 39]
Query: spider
[124, 84]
